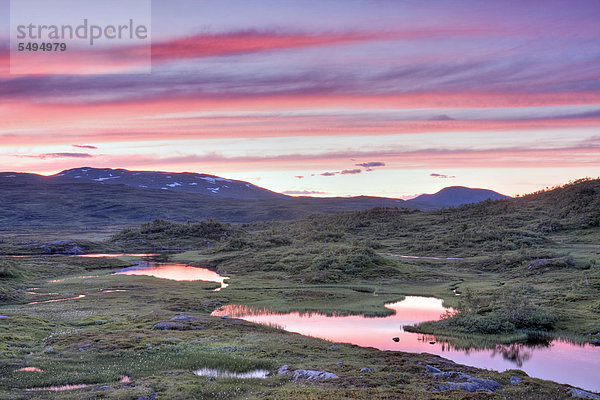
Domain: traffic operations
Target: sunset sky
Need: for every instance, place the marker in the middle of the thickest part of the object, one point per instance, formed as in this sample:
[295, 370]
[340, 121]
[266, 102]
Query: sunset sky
[336, 98]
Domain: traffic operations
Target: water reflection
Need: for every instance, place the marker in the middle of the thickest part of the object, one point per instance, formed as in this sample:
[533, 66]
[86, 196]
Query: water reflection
[107, 255]
[81, 296]
[256, 374]
[57, 388]
[29, 369]
[175, 271]
[557, 360]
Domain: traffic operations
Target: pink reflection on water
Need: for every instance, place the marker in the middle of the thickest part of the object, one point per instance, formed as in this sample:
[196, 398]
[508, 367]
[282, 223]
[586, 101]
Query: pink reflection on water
[30, 369]
[175, 271]
[81, 296]
[560, 361]
[356, 329]
[102, 255]
[57, 388]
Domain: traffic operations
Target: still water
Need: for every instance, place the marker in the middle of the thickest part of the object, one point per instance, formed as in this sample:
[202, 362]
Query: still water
[559, 360]
[174, 271]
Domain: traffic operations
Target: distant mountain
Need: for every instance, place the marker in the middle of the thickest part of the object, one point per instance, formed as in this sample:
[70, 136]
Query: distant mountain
[187, 182]
[36, 200]
[454, 196]
[92, 196]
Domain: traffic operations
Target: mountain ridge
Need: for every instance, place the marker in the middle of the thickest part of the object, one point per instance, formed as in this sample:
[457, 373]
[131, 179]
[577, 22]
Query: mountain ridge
[188, 182]
[454, 196]
[92, 199]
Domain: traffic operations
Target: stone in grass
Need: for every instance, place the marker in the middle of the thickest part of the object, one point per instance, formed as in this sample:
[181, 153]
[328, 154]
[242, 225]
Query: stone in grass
[366, 370]
[471, 383]
[169, 326]
[313, 375]
[514, 380]
[182, 318]
[283, 370]
[582, 394]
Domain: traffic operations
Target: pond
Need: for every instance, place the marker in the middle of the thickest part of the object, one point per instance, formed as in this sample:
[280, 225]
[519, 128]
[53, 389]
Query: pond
[560, 361]
[174, 271]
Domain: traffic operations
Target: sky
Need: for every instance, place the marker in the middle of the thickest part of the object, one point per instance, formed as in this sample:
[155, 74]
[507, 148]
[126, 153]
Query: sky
[322, 98]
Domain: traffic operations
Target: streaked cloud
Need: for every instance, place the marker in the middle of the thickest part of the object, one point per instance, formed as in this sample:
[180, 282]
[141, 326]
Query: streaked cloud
[57, 155]
[442, 176]
[303, 192]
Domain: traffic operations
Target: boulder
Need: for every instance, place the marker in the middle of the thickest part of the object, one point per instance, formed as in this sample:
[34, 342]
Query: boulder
[182, 318]
[313, 375]
[168, 326]
[433, 370]
[582, 394]
[514, 380]
[283, 370]
[469, 383]
[366, 370]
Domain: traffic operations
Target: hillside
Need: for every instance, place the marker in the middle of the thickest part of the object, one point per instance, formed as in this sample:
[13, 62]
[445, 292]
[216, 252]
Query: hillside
[454, 196]
[33, 200]
[187, 182]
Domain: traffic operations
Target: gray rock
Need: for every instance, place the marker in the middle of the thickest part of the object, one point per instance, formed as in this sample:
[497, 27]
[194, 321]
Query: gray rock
[433, 370]
[470, 384]
[366, 370]
[182, 318]
[333, 347]
[313, 375]
[283, 370]
[339, 364]
[75, 250]
[582, 394]
[149, 397]
[514, 380]
[168, 325]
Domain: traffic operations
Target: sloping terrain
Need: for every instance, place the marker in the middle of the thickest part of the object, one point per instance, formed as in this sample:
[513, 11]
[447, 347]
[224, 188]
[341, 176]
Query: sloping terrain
[187, 182]
[454, 196]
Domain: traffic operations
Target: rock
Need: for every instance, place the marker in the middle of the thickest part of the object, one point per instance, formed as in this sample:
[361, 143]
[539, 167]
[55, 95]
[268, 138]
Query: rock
[396, 339]
[433, 370]
[473, 385]
[182, 318]
[283, 370]
[514, 380]
[470, 384]
[366, 370]
[149, 397]
[339, 364]
[582, 394]
[313, 375]
[538, 263]
[596, 342]
[75, 250]
[169, 325]
[333, 347]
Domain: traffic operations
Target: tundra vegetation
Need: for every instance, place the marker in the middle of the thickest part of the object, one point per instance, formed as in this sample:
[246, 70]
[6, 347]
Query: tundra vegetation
[524, 266]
